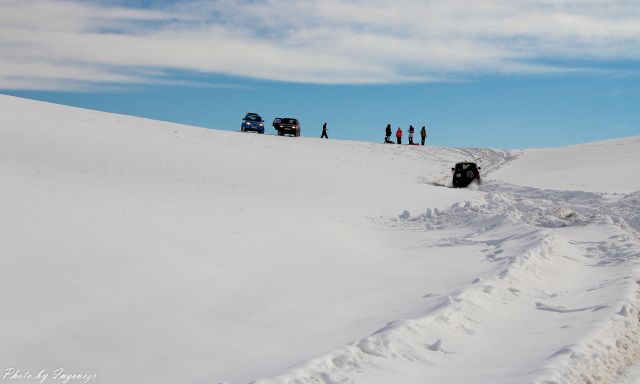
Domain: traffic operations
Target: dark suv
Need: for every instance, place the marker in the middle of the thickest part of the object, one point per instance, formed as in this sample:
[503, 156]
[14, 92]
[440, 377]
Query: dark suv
[464, 174]
[252, 122]
[287, 125]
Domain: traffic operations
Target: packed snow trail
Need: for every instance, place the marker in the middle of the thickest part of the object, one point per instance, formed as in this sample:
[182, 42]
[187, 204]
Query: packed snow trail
[564, 263]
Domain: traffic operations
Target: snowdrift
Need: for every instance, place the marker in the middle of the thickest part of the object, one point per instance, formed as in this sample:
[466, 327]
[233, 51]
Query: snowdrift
[150, 252]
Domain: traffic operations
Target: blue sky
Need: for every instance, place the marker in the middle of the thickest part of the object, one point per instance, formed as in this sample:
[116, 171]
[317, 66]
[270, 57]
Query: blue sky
[494, 73]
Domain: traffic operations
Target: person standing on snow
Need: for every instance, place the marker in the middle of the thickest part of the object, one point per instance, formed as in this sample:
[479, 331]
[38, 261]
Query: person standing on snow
[423, 134]
[399, 135]
[411, 130]
[387, 133]
[324, 132]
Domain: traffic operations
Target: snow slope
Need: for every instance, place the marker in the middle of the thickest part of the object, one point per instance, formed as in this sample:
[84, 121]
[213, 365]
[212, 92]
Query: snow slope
[606, 166]
[149, 252]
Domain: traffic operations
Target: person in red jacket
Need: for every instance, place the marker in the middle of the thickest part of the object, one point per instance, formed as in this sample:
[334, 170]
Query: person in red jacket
[399, 135]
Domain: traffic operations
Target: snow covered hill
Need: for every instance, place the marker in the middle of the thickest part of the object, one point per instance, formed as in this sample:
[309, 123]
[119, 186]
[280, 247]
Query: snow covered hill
[606, 166]
[150, 252]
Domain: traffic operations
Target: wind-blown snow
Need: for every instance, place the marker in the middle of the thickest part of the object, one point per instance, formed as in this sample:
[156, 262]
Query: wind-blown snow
[150, 252]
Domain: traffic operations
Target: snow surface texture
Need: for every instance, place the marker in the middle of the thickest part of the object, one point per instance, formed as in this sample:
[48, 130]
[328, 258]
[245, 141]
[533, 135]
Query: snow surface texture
[149, 252]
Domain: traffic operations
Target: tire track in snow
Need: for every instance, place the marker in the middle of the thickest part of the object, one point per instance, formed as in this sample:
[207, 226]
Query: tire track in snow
[488, 159]
[523, 231]
[607, 350]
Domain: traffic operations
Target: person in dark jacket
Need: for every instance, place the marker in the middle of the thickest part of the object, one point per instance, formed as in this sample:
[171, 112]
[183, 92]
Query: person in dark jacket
[387, 133]
[423, 134]
[324, 132]
[411, 131]
[399, 135]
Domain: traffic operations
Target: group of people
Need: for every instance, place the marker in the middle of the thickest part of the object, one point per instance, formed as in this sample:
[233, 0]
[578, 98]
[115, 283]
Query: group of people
[387, 139]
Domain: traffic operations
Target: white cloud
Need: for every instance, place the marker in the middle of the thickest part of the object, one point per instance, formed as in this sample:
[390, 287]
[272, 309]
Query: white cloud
[49, 43]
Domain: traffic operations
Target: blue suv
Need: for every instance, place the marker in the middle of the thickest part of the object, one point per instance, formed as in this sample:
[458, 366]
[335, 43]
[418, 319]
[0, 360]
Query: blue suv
[252, 122]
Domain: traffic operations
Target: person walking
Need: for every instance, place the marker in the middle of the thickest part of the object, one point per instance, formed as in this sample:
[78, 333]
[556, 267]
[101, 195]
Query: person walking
[387, 133]
[411, 130]
[399, 135]
[324, 131]
[423, 134]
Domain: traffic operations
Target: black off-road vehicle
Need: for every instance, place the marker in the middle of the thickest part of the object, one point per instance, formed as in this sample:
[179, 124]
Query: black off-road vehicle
[464, 174]
[286, 125]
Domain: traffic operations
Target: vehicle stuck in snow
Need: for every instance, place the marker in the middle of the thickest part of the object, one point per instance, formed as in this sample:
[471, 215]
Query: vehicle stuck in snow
[464, 174]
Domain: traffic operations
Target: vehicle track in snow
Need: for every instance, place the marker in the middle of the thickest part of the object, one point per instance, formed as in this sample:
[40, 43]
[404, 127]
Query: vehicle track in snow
[562, 260]
[603, 228]
[489, 160]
